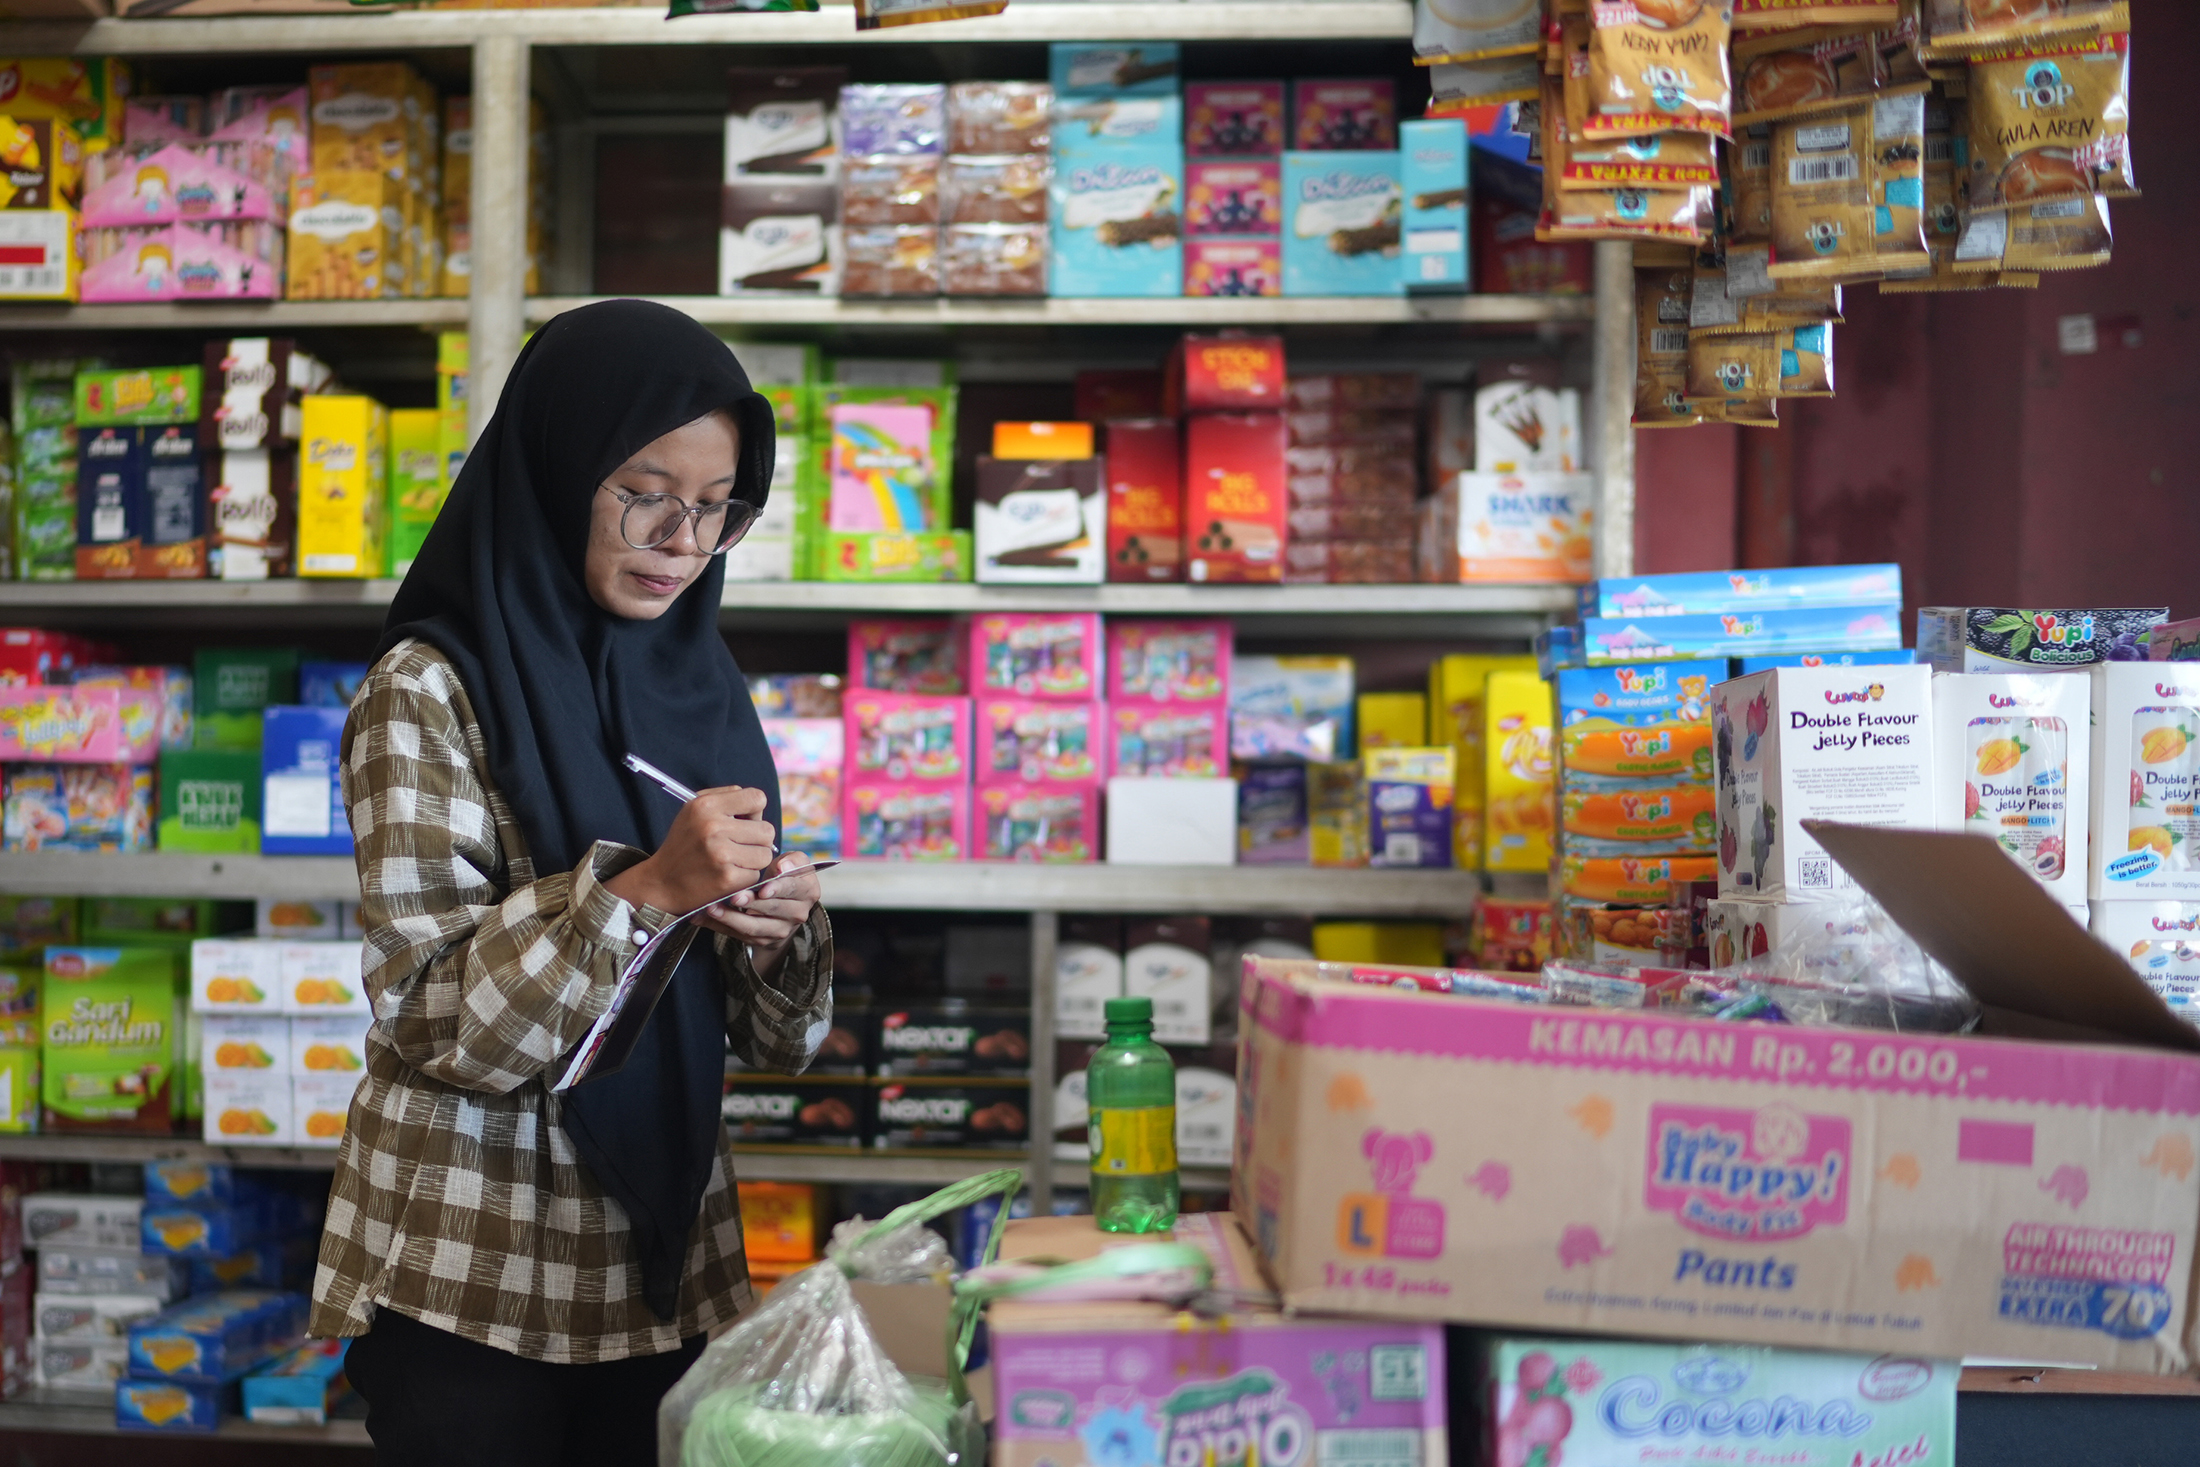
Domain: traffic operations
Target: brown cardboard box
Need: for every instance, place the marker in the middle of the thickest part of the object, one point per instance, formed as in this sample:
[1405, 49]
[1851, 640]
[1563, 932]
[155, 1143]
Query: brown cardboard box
[1634, 1173]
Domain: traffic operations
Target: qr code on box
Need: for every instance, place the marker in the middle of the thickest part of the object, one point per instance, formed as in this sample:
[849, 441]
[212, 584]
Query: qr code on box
[1815, 873]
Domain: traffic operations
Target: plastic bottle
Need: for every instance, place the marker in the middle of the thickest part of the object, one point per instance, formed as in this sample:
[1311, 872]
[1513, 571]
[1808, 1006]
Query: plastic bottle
[1131, 1088]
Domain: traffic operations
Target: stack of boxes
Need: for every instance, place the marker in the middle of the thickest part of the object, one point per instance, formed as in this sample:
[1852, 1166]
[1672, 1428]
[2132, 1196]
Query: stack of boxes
[43, 410]
[994, 188]
[1233, 188]
[779, 223]
[1118, 186]
[60, 112]
[1168, 737]
[1293, 748]
[2144, 876]
[251, 418]
[140, 496]
[907, 718]
[95, 1279]
[260, 772]
[285, 1038]
[1353, 477]
[1525, 512]
[79, 761]
[1343, 190]
[364, 223]
[892, 138]
[1040, 749]
[1230, 393]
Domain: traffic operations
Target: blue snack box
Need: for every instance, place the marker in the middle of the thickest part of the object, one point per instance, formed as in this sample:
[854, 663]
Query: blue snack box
[330, 684]
[170, 1405]
[1117, 227]
[1098, 127]
[110, 501]
[1291, 708]
[1433, 157]
[1874, 628]
[1638, 695]
[1114, 69]
[259, 1267]
[1706, 593]
[204, 1229]
[301, 803]
[1342, 218]
[1894, 657]
[215, 1338]
[299, 1388]
[198, 1184]
[1555, 648]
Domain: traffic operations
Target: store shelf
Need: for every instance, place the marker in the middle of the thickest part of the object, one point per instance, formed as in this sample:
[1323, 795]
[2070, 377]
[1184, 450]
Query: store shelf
[783, 311]
[232, 315]
[138, 1149]
[41, 1410]
[968, 886]
[1027, 21]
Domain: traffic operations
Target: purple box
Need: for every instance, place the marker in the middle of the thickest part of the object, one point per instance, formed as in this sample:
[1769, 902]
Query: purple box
[1272, 828]
[1409, 806]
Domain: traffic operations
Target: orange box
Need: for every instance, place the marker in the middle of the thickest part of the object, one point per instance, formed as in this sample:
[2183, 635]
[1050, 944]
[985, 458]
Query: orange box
[1042, 440]
[779, 1221]
[1234, 496]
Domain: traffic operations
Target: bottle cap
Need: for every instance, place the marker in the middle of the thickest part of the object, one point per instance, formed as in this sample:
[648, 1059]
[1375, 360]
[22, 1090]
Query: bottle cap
[1129, 1010]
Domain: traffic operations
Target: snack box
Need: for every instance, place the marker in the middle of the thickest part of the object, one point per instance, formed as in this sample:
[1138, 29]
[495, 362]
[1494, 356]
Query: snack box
[2146, 782]
[1115, 228]
[1041, 521]
[1801, 743]
[170, 1406]
[1865, 627]
[906, 657]
[343, 487]
[93, 1316]
[205, 1229]
[197, 1184]
[1233, 119]
[1409, 806]
[1271, 816]
[1342, 223]
[779, 1221]
[209, 801]
[2161, 941]
[1525, 427]
[930, 558]
[1648, 721]
[321, 978]
[1226, 374]
[302, 798]
[1609, 1400]
[216, 1338]
[1433, 156]
[1292, 708]
[299, 1388]
[248, 1109]
[1036, 655]
[1169, 661]
[2013, 761]
[1332, 114]
[808, 754]
[954, 1038]
[1171, 820]
[1144, 464]
[329, 1045]
[1517, 772]
[2011, 639]
[776, 1110]
[137, 396]
[259, 1267]
[1236, 500]
[906, 822]
[232, 976]
[91, 724]
[1519, 527]
[65, 1269]
[906, 736]
[2177, 641]
[88, 1368]
[1147, 69]
[321, 1106]
[109, 1022]
[1161, 741]
[1893, 657]
[1233, 267]
[1071, 1377]
[69, 1220]
[78, 807]
[1027, 741]
[1037, 822]
[1710, 593]
[230, 689]
[951, 1115]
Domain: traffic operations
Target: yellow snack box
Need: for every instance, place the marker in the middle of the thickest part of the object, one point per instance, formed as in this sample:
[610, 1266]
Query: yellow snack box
[366, 117]
[1392, 944]
[1455, 688]
[1336, 814]
[1392, 720]
[779, 1221]
[1517, 772]
[87, 93]
[346, 227]
[343, 486]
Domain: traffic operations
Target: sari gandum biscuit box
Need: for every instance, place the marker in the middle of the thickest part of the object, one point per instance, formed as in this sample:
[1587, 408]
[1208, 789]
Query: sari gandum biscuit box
[1673, 1177]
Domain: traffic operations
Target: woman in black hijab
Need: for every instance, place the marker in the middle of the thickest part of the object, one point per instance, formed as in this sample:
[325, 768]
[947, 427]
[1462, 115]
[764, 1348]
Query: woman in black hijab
[526, 1271]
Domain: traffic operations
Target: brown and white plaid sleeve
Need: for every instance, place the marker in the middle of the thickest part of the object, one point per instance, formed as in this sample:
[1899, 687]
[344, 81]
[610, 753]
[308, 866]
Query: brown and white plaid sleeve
[458, 1200]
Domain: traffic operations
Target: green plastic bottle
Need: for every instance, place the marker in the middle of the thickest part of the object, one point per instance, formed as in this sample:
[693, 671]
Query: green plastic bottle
[1131, 1087]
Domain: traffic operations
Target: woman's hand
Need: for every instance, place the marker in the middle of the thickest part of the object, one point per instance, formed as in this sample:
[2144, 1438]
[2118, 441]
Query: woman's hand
[719, 842]
[768, 917]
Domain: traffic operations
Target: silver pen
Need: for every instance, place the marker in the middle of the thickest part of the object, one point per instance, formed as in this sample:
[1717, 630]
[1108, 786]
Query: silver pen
[682, 793]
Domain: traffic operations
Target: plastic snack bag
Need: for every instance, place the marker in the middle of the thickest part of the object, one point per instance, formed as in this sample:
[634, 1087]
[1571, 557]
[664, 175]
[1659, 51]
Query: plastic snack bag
[1854, 968]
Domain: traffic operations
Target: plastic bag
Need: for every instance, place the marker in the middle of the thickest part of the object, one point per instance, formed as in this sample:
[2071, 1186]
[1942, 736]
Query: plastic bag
[909, 1254]
[1854, 968]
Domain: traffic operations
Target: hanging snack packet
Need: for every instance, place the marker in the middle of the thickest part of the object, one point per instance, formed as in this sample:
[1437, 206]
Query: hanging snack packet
[1752, 15]
[1944, 143]
[1800, 80]
[1661, 349]
[2061, 234]
[1848, 192]
[1757, 413]
[1608, 213]
[874, 15]
[1459, 86]
[1657, 65]
[2050, 121]
[1660, 160]
[1959, 28]
[1749, 182]
[1473, 30]
[1797, 362]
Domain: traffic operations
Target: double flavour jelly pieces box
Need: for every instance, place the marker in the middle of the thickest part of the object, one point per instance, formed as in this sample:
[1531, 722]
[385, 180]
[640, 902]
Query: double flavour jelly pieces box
[2146, 780]
[2013, 762]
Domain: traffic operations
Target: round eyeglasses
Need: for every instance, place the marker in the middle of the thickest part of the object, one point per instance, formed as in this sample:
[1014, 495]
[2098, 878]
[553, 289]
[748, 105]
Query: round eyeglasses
[649, 520]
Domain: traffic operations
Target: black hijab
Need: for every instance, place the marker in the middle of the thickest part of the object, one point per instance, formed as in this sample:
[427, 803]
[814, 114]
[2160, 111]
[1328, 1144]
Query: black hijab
[564, 690]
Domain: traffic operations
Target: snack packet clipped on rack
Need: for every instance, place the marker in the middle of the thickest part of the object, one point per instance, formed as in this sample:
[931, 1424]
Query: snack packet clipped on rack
[1797, 362]
[1659, 66]
[1473, 30]
[1848, 191]
[1957, 29]
[2061, 234]
[1780, 15]
[2049, 121]
[1804, 78]
[1661, 348]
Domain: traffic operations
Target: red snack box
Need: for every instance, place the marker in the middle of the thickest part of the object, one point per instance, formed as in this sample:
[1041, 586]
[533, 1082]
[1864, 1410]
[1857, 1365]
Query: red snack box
[1226, 374]
[1234, 497]
[1358, 392]
[1234, 196]
[1233, 267]
[1029, 822]
[1233, 118]
[1104, 395]
[1145, 468]
[1343, 114]
[906, 737]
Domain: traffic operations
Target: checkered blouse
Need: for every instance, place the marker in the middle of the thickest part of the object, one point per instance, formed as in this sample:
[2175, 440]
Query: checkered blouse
[458, 1200]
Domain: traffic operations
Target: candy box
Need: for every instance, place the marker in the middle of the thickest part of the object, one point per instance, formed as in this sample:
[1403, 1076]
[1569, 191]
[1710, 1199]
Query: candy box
[87, 724]
[343, 487]
[1517, 783]
[1027, 741]
[2013, 761]
[883, 476]
[933, 558]
[166, 1405]
[78, 807]
[951, 1115]
[1291, 708]
[321, 978]
[1233, 119]
[1800, 743]
[1236, 509]
[2161, 941]
[1233, 196]
[108, 1019]
[246, 1044]
[321, 1106]
[1165, 741]
[1115, 227]
[907, 822]
[907, 736]
[1041, 521]
[1232, 373]
[1708, 593]
[1615, 1400]
[2146, 782]
[302, 800]
[2006, 639]
[1255, 1384]
[1409, 806]
[767, 1110]
[1038, 822]
[237, 977]
[906, 656]
[1144, 466]
[1343, 216]
[1866, 627]
[210, 800]
[1233, 267]
[1036, 655]
[1433, 156]
[1169, 661]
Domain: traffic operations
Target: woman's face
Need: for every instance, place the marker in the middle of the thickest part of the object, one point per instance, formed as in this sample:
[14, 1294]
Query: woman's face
[695, 464]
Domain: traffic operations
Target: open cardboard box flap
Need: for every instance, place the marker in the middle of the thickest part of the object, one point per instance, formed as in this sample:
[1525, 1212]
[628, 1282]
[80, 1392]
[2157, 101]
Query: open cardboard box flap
[2038, 974]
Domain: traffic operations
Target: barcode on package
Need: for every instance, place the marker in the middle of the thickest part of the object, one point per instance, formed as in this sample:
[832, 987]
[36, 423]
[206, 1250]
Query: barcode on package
[1757, 157]
[1367, 1448]
[1822, 170]
[1668, 343]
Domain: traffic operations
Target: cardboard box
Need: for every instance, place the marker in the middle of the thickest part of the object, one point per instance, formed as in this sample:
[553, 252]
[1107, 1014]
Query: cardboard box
[2177, 641]
[779, 233]
[343, 488]
[2007, 639]
[20, 1069]
[2146, 781]
[69, 1220]
[1114, 227]
[1330, 114]
[1167, 960]
[237, 977]
[951, 1115]
[321, 978]
[763, 1110]
[1041, 522]
[1027, 741]
[2013, 761]
[86, 1368]
[1272, 825]
[1233, 267]
[93, 723]
[1235, 503]
[1518, 781]
[932, 558]
[92, 1316]
[44, 242]
[1521, 527]
[1342, 223]
[1227, 374]
[1183, 821]
[109, 1021]
[1433, 158]
[247, 1045]
[907, 736]
[137, 396]
[248, 1109]
[1088, 971]
[110, 503]
[1153, 741]
[302, 801]
[252, 513]
[1169, 661]
[174, 542]
[417, 484]
[300, 1388]
[1254, 1384]
[1234, 196]
[321, 1107]
[1145, 513]
[1799, 744]
[68, 1269]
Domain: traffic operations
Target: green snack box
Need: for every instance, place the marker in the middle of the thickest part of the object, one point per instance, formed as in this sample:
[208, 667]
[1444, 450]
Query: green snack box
[826, 397]
[31, 924]
[417, 483]
[18, 1089]
[873, 556]
[171, 923]
[142, 395]
[229, 688]
[453, 360]
[111, 1041]
[42, 393]
[209, 800]
[450, 442]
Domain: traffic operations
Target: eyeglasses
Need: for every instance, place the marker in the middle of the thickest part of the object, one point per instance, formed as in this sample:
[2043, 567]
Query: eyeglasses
[649, 520]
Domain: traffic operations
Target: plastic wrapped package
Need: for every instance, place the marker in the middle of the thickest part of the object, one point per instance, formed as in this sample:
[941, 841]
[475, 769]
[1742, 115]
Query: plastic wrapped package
[905, 118]
[993, 259]
[1856, 969]
[993, 117]
[890, 190]
[891, 260]
[995, 190]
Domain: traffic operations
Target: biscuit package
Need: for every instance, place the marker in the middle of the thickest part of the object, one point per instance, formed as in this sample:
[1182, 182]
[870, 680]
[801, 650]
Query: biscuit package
[1848, 192]
[1661, 349]
[2050, 121]
[1471, 30]
[1780, 15]
[1659, 66]
[1960, 28]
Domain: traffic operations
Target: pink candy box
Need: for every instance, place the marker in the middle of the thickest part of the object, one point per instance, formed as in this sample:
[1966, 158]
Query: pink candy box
[906, 821]
[172, 262]
[72, 725]
[1033, 655]
[906, 737]
[916, 656]
[1030, 822]
[1242, 119]
[1027, 741]
[178, 184]
[1159, 741]
[1169, 662]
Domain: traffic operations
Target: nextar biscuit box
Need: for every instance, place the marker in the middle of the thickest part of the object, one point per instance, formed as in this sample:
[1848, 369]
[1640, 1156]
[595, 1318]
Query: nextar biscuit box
[1678, 1177]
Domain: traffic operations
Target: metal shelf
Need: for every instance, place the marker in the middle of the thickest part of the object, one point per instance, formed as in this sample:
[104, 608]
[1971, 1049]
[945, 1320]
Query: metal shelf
[135, 1149]
[41, 1410]
[963, 886]
[782, 311]
[1286, 20]
[231, 315]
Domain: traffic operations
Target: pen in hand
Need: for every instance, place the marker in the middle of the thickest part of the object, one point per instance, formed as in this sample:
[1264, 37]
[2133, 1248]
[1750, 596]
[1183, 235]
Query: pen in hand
[683, 794]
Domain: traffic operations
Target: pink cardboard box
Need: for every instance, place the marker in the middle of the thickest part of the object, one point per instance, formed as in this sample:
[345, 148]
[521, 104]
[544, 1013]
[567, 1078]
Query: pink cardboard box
[906, 736]
[1027, 741]
[173, 262]
[178, 184]
[80, 725]
[1034, 655]
[885, 821]
[1234, 196]
[1038, 822]
[915, 656]
[1233, 267]
[1241, 119]
[1168, 741]
[1169, 661]
[1670, 1176]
